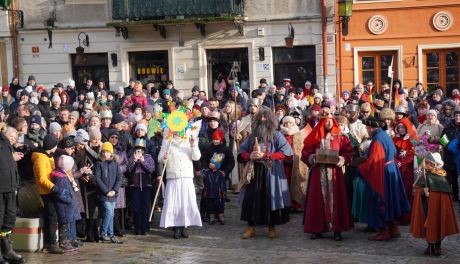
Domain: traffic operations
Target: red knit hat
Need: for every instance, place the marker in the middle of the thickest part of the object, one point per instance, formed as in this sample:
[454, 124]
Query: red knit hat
[218, 135]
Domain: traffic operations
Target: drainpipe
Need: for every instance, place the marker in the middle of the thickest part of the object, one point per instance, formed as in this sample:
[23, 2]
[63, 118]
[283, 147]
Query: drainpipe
[14, 37]
[324, 24]
[338, 42]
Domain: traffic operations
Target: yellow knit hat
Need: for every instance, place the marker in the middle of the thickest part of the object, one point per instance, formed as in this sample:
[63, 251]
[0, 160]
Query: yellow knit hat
[107, 146]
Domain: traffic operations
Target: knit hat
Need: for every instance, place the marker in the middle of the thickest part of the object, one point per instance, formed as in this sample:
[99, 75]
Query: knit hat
[141, 127]
[54, 127]
[214, 116]
[107, 146]
[439, 92]
[31, 78]
[217, 159]
[68, 142]
[94, 134]
[113, 132]
[90, 95]
[288, 119]
[318, 95]
[218, 134]
[140, 143]
[28, 89]
[49, 142]
[105, 114]
[36, 119]
[88, 106]
[432, 112]
[66, 163]
[75, 114]
[254, 101]
[5, 88]
[71, 82]
[56, 99]
[117, 118]
[166, 92]
[82, 137]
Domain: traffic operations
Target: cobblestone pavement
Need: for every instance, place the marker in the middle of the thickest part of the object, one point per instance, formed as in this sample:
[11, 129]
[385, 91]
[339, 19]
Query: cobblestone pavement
[222, 244]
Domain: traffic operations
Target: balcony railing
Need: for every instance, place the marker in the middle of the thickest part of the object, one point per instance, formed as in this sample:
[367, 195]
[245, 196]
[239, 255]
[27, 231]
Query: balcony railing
[138, 10]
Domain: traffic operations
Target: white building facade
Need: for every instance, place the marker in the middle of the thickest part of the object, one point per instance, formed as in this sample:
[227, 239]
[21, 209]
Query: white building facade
[187, 50]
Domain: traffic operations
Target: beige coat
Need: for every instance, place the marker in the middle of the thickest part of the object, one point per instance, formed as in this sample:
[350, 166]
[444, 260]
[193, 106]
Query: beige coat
[299, 178]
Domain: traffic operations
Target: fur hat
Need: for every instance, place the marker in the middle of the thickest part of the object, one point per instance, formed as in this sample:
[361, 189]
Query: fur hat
[107, 146]
[66, 163]
[287, 119]
[387, 114]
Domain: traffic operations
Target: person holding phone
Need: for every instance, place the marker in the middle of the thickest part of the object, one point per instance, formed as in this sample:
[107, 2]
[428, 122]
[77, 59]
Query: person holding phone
[141, 166]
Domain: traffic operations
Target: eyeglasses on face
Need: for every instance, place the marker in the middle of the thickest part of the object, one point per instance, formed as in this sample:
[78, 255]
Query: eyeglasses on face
[365, 112]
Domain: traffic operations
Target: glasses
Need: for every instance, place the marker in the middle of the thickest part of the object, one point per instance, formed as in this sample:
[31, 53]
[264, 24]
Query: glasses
[356, 93]
[365, 112]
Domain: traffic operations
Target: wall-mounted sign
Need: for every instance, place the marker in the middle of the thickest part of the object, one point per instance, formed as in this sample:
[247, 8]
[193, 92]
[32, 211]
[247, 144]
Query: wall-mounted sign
[35, 51]
[263, 67]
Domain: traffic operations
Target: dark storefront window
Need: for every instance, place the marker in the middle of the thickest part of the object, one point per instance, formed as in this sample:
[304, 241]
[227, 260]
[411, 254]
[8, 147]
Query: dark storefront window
[149, 66]
[298, 64]
[92, 66]
[220, 63]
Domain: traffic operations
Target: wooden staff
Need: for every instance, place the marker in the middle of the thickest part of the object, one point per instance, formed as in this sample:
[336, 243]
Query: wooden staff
[160, 181]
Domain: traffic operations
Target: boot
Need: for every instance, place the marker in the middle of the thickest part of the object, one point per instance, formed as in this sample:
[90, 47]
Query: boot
[212, 219]
[337, 236]
[316, 236]
[176, 232]
[429, 249]
[382, 235]
[394, 230]
[183, 232]
[64, 241]
[221, 219]
[53, 249]
[437, 249]
[271, 232]
[8, 252]
[250, 232]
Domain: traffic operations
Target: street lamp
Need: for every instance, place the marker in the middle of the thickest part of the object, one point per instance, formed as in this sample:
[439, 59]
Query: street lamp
[345, 10]
[289, 40]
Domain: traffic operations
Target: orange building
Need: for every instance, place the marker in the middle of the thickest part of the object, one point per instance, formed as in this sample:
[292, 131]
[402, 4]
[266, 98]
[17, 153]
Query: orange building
[421, 37]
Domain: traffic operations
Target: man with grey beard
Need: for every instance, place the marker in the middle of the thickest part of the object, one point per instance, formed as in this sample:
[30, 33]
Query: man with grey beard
[266, 199]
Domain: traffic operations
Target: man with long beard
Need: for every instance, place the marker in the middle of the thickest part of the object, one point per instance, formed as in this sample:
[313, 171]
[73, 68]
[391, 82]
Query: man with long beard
[266, 199]
[327, 207]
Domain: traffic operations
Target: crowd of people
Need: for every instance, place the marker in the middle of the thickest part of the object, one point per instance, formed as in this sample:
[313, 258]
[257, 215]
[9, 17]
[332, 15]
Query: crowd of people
[96, 158]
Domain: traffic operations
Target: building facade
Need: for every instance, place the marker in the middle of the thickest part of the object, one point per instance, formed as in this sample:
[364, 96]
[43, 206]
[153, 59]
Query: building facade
[422, 38]
[6, 57]
[188, 42]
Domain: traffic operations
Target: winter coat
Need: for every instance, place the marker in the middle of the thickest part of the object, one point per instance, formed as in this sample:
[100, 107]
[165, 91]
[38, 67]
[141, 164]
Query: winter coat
[65, 200]
[455, 151]
[43, 166]
[435, 131]
[142, 100]
[180, 157]
[9, 176]
[108, 178]
[140, 173]
[451, 131]
[214, 182]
